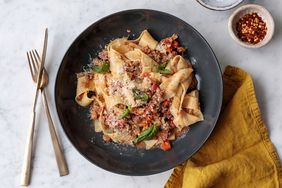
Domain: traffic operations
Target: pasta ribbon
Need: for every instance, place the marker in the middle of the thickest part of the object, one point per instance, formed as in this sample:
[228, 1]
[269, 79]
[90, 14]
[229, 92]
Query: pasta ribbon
[85, 88]
[145, 39]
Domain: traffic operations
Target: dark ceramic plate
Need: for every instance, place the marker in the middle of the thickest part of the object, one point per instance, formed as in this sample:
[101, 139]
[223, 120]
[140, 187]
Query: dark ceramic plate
[75, 120]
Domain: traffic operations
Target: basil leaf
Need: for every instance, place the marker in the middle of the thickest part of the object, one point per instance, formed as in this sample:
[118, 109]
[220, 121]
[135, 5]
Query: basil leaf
[162, 66]
[125, 112]
[165, 71]
[147, 134]
[153, 132]
[140, 95]
[102, 68]
[161, 69]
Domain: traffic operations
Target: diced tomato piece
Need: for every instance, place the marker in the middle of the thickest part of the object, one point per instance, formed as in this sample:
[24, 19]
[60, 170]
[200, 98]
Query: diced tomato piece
[145, 74]
[143, 124]
[148, 120]
[154, 87]
[175, 44]
[166, 103]
[166, 146]
[121, 123]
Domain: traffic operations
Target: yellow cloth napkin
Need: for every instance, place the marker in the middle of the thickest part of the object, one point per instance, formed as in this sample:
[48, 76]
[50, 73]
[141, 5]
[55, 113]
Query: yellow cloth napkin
[239, 152]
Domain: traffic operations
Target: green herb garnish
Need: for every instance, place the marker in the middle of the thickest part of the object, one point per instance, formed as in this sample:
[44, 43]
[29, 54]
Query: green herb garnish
[165, 71]
[140, 95]
[161, 69]
[146, 134]
[102, 68]
[125, 112]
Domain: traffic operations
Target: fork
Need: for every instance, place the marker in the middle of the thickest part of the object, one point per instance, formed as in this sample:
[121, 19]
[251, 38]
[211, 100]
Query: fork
[26, 168]
[33, 62]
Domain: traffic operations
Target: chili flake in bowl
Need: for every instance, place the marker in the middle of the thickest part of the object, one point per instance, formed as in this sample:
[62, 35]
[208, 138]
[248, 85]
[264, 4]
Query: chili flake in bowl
[252, 26]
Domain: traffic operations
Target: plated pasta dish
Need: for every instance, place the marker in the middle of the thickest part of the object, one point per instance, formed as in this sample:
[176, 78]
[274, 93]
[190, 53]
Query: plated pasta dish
[140, 92]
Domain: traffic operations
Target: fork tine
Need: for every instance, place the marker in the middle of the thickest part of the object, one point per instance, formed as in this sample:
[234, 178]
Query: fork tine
[34, 62]
[39, 59]
[29, 64]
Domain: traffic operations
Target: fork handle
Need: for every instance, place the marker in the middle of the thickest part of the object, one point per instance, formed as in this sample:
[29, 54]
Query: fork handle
[61, 162]
[26, 168]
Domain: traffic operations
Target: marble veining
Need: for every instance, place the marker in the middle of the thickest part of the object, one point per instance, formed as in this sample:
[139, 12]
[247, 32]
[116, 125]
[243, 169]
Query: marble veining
[21, 28]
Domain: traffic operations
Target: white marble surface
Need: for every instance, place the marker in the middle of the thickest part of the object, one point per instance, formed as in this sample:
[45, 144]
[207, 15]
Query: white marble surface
[21, 28]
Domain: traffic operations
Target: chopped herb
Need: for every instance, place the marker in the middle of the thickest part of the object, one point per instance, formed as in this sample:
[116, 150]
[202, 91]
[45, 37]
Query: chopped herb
[161, 69]
[125, 112]
[165, 71]
[102, 68]
[140, 95]
[146, 134]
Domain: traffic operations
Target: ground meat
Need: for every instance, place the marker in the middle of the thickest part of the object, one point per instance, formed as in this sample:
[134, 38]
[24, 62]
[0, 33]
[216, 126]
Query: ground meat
[152, 108]
[146, 114]
[165, 108]
[104, 55]
[160, 57]
[170, 44]
[110, 118]
[181, 132]
[138, 110]
[154, 54]
[95, 111]
[163, 135]
[168, 56]
[143, 116]
[165, 126]
[133, 69]
[171, 124]
[165, 113]
[155, 101]
[97, 61]
[135, 129]
[114, 86]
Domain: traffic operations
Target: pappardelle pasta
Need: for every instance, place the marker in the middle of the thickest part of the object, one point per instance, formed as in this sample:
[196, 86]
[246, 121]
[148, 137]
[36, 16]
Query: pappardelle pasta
[140, 92]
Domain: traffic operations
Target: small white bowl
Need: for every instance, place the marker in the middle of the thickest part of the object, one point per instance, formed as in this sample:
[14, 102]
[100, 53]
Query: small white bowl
[247, 9]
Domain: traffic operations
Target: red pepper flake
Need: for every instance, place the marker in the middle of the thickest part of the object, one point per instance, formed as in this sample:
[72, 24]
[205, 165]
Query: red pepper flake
[251, 28]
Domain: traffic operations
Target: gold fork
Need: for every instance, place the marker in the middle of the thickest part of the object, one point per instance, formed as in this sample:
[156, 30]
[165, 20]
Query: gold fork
[34, 70]
[26, 168]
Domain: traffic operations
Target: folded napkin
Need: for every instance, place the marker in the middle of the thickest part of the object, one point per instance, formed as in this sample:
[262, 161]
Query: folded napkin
[239, 152]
